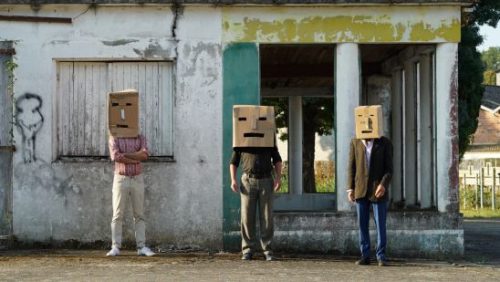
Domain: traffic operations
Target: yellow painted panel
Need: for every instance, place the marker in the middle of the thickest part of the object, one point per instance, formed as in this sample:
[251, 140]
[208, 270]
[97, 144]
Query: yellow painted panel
[380, 24]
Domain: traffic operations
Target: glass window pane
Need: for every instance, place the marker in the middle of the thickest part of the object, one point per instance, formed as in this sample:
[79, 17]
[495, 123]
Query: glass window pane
[318, 157]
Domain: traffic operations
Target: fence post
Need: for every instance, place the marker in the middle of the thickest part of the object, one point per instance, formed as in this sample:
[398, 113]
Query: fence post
[482, 187]
[493, 192]
[464, 191]
[477, 191]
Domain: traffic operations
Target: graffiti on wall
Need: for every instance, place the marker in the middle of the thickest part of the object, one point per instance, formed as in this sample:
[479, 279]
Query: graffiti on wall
[29, 121]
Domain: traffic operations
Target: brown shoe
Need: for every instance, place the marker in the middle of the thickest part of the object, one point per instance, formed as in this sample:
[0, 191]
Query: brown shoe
[382, 263]
[363, 261]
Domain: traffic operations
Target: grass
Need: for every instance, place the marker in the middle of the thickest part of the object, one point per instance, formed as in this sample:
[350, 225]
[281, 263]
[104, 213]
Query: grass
[324, 177]
[470, 199]
[481, 213]
[323, 185]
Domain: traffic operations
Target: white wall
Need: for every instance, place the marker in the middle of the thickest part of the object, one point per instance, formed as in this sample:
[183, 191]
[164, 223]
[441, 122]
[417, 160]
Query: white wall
[64, 200]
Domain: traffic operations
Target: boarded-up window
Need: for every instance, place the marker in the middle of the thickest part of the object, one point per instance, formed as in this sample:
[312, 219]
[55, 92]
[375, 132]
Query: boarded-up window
[82, 94]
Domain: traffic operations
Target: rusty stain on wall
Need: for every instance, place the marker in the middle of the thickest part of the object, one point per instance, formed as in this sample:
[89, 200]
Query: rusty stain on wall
[454, 161]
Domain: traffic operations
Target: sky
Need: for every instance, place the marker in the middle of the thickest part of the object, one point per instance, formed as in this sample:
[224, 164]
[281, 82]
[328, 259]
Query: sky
[491, 37]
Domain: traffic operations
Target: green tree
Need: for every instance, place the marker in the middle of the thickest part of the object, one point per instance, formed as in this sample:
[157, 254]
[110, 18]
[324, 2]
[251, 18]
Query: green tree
[491, 58]
[471, 68]
[489, 77]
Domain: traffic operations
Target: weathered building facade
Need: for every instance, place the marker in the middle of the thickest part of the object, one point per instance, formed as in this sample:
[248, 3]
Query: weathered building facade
[192, 61]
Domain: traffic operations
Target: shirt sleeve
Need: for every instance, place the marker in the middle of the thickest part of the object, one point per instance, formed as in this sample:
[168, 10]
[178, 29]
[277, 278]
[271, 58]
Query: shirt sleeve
[275, 155]
[114, 150]
[235, 158]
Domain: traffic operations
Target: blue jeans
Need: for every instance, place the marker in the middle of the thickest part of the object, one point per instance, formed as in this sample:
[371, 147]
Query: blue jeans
[379, 214]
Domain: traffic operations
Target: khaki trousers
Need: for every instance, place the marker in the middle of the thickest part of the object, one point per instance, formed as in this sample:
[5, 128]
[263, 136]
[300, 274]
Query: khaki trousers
[125, 187]
[256, 192]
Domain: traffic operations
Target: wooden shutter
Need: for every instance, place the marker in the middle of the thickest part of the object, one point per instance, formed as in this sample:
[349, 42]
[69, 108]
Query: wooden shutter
[82, 111]
[82, 89]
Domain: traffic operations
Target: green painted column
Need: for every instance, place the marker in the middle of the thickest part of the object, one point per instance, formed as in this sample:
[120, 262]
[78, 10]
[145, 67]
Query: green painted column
[241, 85]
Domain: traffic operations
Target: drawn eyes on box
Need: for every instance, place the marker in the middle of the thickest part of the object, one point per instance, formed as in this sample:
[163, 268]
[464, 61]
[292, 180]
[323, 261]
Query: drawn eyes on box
[244, 118]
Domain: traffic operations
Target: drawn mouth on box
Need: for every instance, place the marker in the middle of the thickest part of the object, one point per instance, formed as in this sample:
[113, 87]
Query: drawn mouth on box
[255, 135]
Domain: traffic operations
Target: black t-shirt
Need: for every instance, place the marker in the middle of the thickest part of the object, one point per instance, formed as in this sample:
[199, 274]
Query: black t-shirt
[256, 160]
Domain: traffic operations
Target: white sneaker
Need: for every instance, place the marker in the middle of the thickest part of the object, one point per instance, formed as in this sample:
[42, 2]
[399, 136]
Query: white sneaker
[145, 251]
[113, 252]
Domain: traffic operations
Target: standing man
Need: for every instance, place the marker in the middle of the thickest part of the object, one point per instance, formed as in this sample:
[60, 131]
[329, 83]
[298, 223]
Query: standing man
[127, 149]
[369, 175]
[254, 148]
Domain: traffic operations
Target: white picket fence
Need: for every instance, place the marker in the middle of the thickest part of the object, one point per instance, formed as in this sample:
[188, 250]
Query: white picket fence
[485, 179]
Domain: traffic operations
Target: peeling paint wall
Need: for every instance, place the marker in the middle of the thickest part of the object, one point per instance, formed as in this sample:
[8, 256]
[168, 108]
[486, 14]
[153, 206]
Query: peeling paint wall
[63, 200]
[342, 24]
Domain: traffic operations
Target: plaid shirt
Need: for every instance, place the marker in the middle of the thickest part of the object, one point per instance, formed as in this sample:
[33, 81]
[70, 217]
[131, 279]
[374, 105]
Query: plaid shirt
[120, 146]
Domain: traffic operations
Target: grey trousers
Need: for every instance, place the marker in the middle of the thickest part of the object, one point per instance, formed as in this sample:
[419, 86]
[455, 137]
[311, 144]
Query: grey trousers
[127, 188]
[256, 192]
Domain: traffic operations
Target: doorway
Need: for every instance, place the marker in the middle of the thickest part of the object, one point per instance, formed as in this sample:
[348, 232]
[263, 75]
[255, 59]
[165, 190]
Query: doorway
[298, 80]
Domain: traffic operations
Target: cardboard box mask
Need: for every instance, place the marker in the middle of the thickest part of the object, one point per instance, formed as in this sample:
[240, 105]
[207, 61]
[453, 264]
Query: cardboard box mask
[123, 113]
[369, 122]
[253, 126]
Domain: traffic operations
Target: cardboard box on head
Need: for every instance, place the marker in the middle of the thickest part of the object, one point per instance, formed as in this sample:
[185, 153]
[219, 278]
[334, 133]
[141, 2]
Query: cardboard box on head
[253, 126]
[123, 113]
[369, 122]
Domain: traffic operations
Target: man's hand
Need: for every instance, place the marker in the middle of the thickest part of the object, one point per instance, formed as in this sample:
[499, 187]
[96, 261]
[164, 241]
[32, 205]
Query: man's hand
[277, 184]
[234, 186]
[350, 196]
[126, 160]
[380, 191]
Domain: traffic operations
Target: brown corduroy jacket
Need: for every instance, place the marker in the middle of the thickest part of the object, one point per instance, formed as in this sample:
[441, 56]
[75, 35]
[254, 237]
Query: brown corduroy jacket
[363, 178]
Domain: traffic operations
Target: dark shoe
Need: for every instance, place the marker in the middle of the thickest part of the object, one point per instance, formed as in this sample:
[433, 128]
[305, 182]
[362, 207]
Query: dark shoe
[269, 257]
[363, 261]
[247, 256]
[382, 263]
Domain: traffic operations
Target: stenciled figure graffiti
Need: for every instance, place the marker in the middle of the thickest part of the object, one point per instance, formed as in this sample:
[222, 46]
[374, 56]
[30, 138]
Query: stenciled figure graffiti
[254, 146]
[29, 121]
[369, 175]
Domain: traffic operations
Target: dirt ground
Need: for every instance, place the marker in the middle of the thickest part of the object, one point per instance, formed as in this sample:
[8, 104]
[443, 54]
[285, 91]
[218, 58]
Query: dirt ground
[481, 263]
